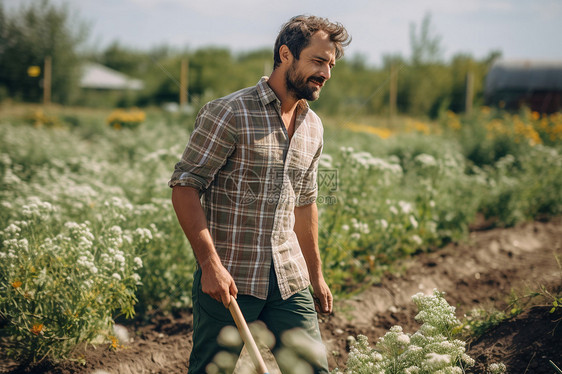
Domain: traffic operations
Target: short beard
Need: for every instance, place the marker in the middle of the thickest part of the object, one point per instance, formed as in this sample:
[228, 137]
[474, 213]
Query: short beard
[298, 87]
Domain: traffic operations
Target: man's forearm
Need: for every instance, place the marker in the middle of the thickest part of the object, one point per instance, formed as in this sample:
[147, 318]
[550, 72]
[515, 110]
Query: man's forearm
[216, 281]
[306, 228]
[194, 224]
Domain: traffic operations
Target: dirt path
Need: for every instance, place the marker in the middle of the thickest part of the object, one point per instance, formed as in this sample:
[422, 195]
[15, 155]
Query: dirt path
[479, 273]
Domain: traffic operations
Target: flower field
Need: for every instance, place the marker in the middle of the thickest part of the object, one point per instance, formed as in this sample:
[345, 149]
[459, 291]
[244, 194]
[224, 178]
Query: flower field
[88, 233]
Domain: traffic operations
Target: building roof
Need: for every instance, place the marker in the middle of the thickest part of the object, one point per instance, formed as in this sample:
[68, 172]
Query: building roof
[527, 75]
[101, 77]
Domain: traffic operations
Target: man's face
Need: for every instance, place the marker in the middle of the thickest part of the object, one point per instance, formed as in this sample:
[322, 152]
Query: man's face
[306, 76]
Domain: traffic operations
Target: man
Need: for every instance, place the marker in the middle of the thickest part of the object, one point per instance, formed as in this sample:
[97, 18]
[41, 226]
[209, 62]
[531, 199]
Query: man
[244, 193]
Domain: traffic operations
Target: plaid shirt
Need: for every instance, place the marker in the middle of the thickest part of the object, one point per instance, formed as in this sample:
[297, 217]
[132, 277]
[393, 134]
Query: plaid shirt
[251, 177]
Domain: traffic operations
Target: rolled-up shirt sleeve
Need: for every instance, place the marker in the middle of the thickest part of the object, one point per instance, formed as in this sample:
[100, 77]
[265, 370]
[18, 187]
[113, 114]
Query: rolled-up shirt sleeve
[211, 143]
[309, 190]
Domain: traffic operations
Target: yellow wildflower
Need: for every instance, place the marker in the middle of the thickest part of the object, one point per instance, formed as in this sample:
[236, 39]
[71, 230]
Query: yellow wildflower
[114, 342]
[379, 131]
[485, 110]
[535, 116]
[120, 118]
[17, 284]
[453, 120]
[37, 329]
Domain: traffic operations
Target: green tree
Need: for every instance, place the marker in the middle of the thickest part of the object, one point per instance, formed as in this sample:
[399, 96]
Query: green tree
[426, 81]
[30, 34]
[426, 48]
[125, 60]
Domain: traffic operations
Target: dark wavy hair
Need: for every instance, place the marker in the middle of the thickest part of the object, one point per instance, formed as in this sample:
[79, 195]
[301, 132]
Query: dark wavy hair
[296, 34]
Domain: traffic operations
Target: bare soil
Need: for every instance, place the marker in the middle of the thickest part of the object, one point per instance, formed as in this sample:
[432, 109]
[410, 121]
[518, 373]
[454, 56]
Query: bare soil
[479, 273]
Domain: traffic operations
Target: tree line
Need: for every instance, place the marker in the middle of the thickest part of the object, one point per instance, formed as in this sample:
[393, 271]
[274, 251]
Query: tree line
[425, 84]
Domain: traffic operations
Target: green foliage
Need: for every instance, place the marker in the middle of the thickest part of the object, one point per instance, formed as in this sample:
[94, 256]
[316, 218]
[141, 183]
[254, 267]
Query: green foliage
[60, 290]
[412, 196]
[80, 170]
[391, 198]
[27, 37]
[427, 85]
[432, 349]
[479, 321]
[526, 187]
[425, 46]
[123, 59]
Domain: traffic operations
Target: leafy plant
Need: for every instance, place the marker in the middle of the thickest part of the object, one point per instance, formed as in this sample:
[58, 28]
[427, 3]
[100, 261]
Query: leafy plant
[432, 349]
[58, 291]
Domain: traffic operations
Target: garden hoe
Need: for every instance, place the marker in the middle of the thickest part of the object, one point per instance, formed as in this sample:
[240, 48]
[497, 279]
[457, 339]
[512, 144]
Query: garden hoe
[251, 359]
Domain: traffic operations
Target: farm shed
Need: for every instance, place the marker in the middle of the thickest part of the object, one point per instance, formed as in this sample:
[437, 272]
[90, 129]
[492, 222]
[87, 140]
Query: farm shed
[101, 86]
[96, 76]
[512, 84]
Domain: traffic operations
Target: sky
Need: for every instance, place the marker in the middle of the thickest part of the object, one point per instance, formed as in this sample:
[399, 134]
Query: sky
[519, 29]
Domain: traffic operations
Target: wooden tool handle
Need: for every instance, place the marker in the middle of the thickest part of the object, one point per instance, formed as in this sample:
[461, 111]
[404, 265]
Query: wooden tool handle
[247, 336]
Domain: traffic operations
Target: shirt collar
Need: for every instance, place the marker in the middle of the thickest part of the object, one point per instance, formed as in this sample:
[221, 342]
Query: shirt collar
[267, 95]
[265, 92]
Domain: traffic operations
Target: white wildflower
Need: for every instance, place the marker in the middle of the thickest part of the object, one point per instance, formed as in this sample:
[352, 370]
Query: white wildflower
[497, 368]
[120, 258]
[12, 230]
[143, 235]
[121, 333]
[405, 207]
[116, 276]
[403, 339]
[425, 160]
[115, 230]
[88, 283]
[383, 223]
[10, 178]
[128, 239]
[413, 221]
[136, 278]
[84, 243]
[436, 359]
[469, 361]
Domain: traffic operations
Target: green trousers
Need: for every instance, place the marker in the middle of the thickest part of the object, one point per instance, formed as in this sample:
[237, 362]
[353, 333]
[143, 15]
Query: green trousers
[210, 316]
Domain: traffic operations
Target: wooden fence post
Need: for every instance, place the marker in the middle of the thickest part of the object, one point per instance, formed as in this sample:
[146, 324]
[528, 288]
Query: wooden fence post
[183, 82]
[393, 94]
[469, 92]
[47, 81]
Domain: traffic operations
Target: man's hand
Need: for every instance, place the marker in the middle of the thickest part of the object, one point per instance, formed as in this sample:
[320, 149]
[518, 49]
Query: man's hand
[217, 282]
[323, 300]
